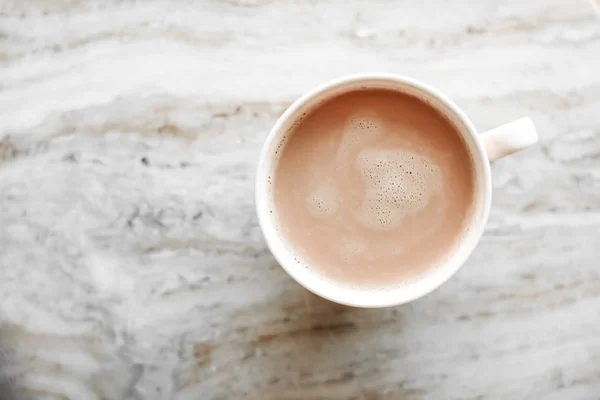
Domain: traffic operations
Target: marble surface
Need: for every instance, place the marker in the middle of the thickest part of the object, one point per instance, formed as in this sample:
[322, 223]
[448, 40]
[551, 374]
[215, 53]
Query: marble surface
[131, 263]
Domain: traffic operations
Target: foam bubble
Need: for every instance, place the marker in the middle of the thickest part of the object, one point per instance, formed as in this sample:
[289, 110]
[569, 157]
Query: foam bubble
[365, 122]
[360, 129]
[322, 202]
[398, 183]
[352, 248]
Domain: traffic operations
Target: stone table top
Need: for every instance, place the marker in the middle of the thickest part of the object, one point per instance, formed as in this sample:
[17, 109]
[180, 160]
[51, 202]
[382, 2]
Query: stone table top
[131, 262]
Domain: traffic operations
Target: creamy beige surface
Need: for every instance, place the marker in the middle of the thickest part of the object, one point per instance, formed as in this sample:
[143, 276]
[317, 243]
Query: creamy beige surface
[374, 189]
[131, 263]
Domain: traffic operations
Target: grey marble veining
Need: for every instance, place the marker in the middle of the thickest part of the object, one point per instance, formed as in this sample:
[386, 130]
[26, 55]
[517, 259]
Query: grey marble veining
[131, 262]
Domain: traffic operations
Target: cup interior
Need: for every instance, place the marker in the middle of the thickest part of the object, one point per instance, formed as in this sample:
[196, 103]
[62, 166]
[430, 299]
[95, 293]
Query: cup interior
[310, 277]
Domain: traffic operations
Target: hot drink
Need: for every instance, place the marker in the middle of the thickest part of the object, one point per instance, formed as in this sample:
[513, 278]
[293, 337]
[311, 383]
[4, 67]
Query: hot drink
[374, 188]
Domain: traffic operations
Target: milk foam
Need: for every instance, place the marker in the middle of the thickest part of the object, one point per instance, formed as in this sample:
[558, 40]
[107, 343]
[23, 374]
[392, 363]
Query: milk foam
[398, 183]
[360, 129]
[352, 248]
[322, 202]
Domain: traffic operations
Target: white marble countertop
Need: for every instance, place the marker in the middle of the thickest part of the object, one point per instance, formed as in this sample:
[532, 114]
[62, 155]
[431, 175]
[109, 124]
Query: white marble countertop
[131, 263]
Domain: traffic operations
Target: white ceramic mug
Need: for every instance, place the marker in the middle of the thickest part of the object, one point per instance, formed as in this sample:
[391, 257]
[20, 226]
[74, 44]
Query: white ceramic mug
[485, 147]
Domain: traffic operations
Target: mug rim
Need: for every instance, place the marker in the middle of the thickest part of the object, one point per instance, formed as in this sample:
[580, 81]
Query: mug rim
[449, 267]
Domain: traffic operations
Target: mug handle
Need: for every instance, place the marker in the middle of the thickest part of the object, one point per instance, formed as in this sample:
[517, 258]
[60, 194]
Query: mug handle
[509, 138]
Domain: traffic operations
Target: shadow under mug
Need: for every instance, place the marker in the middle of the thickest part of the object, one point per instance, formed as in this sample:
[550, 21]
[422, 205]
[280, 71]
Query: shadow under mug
[484, 148]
